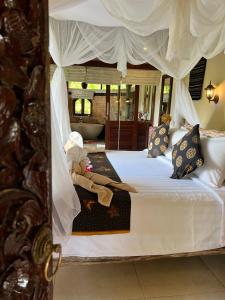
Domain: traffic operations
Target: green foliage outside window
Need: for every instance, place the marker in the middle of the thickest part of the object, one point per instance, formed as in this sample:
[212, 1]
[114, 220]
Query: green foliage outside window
[87, 107]
[78, 107]
[96, 86]
[74, 85]
[166, 89]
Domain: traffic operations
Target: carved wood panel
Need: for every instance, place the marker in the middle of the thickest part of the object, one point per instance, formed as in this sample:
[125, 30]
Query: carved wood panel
[25, 171]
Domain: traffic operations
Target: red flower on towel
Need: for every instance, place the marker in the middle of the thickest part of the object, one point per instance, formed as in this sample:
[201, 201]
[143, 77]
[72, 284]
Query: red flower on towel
[89, 168]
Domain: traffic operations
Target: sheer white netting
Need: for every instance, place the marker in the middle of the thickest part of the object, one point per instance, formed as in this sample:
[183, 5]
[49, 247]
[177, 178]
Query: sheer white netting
[76, 42]
[185, 20]
[196, 29]
[171, 35]
[66, 204]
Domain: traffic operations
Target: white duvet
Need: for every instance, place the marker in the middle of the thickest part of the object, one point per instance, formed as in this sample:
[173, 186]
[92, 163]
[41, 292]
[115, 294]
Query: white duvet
[167, 215]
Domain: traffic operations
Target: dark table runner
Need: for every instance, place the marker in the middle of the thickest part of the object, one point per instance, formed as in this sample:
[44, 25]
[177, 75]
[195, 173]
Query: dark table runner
[95, 218]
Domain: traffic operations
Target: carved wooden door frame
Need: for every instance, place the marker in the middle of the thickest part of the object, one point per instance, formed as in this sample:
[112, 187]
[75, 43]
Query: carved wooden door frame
[25, 151]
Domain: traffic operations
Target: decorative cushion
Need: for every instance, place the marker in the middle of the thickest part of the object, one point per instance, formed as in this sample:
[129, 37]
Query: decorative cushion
[213, 171]
[150, 131]
[187, 155]
[159, 141]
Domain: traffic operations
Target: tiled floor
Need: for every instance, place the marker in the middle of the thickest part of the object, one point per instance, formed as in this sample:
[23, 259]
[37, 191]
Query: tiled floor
[167, 279]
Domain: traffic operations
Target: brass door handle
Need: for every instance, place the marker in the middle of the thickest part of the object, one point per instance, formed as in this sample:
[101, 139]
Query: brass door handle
[55, 249]
[43, 249]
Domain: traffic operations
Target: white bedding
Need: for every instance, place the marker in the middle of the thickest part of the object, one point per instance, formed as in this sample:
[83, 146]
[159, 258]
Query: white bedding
[167, 215]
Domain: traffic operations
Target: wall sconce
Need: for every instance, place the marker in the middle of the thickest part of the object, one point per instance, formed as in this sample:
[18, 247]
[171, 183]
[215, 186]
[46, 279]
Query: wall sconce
[210, 90]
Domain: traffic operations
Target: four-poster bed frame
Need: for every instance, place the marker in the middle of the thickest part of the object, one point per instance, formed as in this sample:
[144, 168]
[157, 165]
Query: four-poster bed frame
[120, 259]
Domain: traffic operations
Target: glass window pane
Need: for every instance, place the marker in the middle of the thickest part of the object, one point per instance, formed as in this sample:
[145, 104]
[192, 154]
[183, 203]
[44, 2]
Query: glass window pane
[113, 87]
[123, 86]
[78, 106]
[146, 102]
[122, 102]
[74, 85]
[127, 102]
[114, 103]
[94, 86]
[87, 107]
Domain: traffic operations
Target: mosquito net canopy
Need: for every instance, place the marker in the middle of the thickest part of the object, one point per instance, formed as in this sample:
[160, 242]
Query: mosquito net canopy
[171, 35]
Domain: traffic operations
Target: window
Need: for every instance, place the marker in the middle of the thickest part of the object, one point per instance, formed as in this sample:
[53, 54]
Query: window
[97, 87]
[90, 86]
[74, 85]
[82, 107]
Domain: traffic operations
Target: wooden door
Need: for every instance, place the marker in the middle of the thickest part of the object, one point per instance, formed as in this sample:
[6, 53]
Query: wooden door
[25, 152]
[121, 134]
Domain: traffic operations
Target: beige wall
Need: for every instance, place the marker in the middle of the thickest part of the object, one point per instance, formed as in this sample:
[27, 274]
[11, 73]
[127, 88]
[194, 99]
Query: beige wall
[212, 116]
[99, 109]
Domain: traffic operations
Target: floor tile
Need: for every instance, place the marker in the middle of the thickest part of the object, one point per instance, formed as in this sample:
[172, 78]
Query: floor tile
[137, 299]
[97, 282]
[207, 296]
[176, 276]
[216, 263]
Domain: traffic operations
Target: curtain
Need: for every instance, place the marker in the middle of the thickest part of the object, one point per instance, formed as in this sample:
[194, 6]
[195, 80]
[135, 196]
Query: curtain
[66, 204]
[60, 101]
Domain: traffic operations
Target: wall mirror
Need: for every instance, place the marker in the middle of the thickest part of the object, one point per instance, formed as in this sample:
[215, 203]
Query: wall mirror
[146, 105]
[166, 95]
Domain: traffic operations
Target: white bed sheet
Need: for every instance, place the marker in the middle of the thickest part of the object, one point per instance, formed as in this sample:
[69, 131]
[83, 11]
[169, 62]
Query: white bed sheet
[167, 215]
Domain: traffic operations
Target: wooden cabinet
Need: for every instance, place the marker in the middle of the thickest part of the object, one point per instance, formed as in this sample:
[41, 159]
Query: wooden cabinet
[119, 136]
[142, 135]
[130, 135]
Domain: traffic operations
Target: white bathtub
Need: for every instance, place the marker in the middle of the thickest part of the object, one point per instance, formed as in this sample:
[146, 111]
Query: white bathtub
[87, 130]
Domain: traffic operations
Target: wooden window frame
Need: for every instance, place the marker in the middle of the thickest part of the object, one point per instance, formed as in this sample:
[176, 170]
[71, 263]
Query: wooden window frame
[82, 107]
[164, 77]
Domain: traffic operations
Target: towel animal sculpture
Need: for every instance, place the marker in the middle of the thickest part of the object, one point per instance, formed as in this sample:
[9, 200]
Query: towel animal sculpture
[93, 182]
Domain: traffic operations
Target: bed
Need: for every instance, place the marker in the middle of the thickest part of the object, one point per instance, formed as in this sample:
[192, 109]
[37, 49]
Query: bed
[168, 217]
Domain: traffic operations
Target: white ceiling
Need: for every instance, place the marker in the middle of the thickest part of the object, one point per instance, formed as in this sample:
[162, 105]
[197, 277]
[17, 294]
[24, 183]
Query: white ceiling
[89, 11]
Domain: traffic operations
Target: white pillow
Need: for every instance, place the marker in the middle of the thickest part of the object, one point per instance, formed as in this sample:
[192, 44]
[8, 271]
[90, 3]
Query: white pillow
[175, 135]
[213, 170]
[168, 153]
